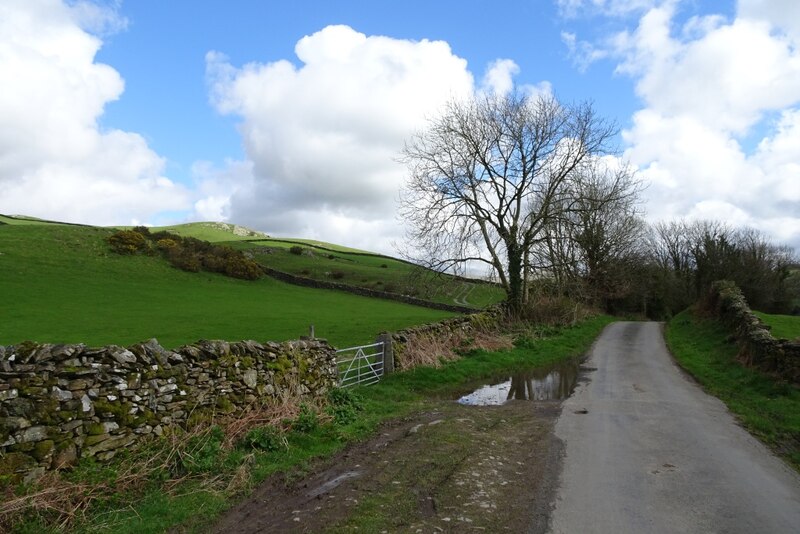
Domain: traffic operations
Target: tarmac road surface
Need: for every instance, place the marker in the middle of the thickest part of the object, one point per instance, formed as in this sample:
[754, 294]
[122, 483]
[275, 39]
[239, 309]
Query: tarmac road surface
[647, 451]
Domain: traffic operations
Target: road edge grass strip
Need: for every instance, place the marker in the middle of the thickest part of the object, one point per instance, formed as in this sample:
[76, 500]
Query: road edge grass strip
[767, 407]
[163, 505]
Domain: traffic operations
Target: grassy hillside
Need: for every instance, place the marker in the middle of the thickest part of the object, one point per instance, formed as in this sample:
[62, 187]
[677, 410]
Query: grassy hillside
[18, 220]
[783, 326]
[214, 232]
[371, 271]
[768, 408]
[326, 261]
[62, 284]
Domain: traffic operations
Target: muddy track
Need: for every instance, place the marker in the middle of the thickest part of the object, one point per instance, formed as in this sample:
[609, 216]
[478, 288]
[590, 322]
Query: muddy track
[452, 468]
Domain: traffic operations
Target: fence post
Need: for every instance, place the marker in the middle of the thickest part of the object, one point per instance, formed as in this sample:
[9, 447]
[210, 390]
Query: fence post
[388, 355]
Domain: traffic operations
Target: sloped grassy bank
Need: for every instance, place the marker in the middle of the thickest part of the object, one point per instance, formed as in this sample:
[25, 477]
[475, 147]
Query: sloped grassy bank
[184, 481]
[769, 408]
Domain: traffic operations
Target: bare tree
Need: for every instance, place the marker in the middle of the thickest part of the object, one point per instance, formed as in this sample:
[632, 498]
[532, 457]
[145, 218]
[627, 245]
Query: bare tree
[602, 229]
[692, 255]
[487, 175]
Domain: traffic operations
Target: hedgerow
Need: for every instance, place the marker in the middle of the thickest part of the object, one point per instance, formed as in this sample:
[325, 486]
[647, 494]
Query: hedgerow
[186, 253]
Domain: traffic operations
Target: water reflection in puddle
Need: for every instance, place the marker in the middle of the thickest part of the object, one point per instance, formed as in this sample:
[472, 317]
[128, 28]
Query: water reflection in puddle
[550, 383]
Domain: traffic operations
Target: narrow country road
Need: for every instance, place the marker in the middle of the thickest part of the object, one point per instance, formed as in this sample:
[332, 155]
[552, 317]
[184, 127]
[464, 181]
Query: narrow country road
[647, 451]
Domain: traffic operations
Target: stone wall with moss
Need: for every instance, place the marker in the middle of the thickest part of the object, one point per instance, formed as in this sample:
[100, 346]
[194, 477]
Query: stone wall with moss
[59, 403]
[451, 332]
[757, 346]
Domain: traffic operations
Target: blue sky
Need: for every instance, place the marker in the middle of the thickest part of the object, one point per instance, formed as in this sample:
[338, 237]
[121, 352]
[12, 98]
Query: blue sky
[279, 115]
[166, 98]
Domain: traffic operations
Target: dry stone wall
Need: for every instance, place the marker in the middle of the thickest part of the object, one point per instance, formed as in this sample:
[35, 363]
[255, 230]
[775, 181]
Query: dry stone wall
[363, 291]
[757, 346]
[449, 331]
[59, 403]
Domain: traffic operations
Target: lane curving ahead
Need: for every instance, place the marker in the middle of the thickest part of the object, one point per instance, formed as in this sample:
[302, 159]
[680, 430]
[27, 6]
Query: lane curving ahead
[647, 451]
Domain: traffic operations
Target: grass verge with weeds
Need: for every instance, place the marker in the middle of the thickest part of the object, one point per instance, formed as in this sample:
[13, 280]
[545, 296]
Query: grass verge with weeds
[184, 480]
[768, 408]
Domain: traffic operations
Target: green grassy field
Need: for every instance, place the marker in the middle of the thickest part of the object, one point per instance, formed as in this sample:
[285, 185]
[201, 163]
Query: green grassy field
[783, 326]
[214, 232]
[21, 220]
[371, 271]
[62, 284]
[335, 263]
[768, 408]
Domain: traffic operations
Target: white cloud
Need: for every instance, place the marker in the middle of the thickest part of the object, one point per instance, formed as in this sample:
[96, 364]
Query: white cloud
[324, 136]
[708, 84]
[499, 77]
[54, 159]
[96, 18]
[728, 76]
[612, 8]
[781, 14]
[582, 53]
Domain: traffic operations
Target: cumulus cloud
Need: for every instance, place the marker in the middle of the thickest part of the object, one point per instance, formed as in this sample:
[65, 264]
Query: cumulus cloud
[499, 77]
[708, 85]
[55, 161]
[781, 14]
[323, 135]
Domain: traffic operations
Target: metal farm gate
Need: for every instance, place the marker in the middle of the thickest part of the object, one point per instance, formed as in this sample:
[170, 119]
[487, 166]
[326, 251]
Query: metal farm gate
[365, 364]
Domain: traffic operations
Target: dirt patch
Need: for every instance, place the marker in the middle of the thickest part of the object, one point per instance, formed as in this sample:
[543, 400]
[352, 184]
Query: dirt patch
[452, 468]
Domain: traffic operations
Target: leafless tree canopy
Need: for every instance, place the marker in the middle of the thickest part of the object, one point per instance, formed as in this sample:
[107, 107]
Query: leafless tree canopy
[489, 174]
[598, 233]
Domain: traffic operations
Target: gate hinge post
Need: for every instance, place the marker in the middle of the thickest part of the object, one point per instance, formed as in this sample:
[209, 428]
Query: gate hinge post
[388, 354]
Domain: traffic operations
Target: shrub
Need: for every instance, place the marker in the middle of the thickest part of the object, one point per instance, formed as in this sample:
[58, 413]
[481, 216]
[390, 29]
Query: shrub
[384, 266]
[166, 244]
[213, 263]
[343, 405]
[184, 259]
[128, 242]
[240, 267]
[264, 438]
[307, 420]
[163, 234]
[296, 250]
[337, 275]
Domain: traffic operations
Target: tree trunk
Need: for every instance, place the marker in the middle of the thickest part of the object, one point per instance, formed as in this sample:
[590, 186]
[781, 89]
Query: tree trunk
[515, 297]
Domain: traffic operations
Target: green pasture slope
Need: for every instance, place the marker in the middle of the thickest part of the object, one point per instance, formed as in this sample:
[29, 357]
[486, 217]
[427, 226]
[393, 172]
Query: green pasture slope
[62, 284]
[21, 220]
[783, 326]
[767, 407]
[329, 262]
[372, 271]
[214, 232]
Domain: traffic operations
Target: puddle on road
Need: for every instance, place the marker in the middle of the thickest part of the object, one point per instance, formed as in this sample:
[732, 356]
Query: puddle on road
[333, 484]
[547, 383]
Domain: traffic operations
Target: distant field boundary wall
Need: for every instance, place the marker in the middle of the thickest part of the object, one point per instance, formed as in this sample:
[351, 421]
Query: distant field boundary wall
[44, 221]
[366, 254]
[363, 291]
[59, 403]
[757, 347]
